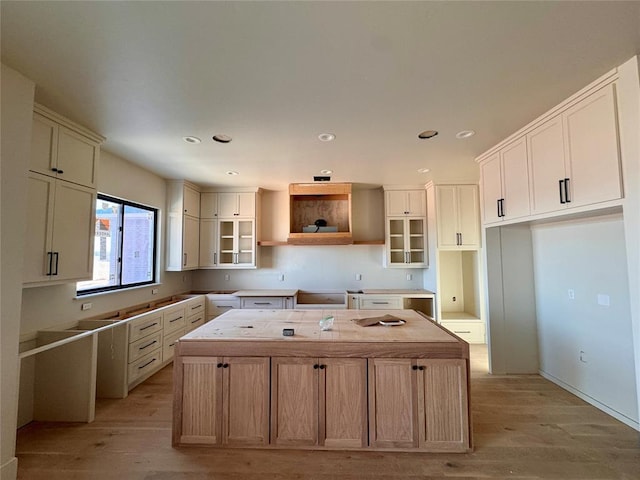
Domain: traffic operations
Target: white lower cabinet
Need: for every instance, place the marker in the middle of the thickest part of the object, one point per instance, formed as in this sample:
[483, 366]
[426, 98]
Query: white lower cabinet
[381, 302]
[471, 331]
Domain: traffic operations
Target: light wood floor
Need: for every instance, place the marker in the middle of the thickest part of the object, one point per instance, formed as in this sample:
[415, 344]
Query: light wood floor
[524, 428]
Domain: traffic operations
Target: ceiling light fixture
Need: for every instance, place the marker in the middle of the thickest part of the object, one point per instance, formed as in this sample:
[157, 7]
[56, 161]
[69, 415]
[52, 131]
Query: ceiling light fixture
[231, 172]
[222, 138]
[427, 134]
[326, 137]
[326, 172]
[191, 139]
[423, 170]
[465, 134]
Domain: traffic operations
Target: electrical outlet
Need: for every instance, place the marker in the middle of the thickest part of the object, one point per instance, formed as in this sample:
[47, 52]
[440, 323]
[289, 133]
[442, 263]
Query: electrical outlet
[358, 276]
[87, 306]
[281, 277]
[583, 356]
[227, 277]
[154, 291]
[453, 299]
[603, 300]
[571, 293]
[409, 277]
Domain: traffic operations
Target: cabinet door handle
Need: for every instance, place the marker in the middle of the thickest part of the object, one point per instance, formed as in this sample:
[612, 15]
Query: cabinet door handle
[502, 207]
[147, 364]
[215, 258]
[57, 258]
[148, 345]
[561, 188]
[498, 207]
[185, 260]
[50, 254]
[567, 199]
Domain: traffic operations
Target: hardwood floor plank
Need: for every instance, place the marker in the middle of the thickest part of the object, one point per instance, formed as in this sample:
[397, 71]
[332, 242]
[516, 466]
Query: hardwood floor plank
[525, 428]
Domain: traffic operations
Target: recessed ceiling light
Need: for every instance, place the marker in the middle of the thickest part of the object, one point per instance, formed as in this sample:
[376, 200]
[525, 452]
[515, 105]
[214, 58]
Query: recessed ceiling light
[191, 139]
[427, 134]
[222, 138]
[231, 172]
[465, 134]
[326, 172]
[423, 170]
[327, 137]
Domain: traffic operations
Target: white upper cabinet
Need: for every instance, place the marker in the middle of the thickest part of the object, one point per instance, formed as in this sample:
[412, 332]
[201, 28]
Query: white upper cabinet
[505, 184]
[236, 204]
[575, 156]
[457, 216]
[63, 150]
[208, 205]
[400, 203]
[183, 226]
[60, 231]
[592, 151]
[191, 202]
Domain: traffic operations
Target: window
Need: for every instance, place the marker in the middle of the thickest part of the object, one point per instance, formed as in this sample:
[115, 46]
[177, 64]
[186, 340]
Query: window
[124, 248]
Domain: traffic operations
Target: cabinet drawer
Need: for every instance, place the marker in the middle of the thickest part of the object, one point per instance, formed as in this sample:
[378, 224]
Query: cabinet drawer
[380, 302]
[263, 302]
[471, 332]
[169, 344]
[173, 319]
[194, 321]
[144, 366]
[195, 306]
[144, 346]
[143, 326]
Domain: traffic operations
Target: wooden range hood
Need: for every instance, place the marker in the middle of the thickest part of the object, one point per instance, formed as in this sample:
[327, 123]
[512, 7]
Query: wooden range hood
[309, 202]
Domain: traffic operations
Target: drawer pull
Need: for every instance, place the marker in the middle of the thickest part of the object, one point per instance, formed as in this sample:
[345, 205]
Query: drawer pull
[149, 326]
[147, 345]
[147, 364]
[380, 303]
[172, 344]
[462, 331]
[196, 320]
[176, 319]
[262, 303]
[196, 307]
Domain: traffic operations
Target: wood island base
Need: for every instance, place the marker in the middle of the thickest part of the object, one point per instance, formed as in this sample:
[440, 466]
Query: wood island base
[238, 382]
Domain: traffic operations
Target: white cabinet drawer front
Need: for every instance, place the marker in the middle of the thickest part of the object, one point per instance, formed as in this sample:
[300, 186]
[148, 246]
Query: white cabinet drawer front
[194, 321]
[141, 327]
[195, 306]
[144, 346]
[380, 302]
[173, 319]
[472, 332]
[263, 302]
[144, 366]
[169, 344]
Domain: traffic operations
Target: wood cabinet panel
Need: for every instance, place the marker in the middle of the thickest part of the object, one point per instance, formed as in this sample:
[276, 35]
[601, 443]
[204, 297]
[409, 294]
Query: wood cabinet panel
[201, 400]
[392, 403]
[294, 401]
[246, 401]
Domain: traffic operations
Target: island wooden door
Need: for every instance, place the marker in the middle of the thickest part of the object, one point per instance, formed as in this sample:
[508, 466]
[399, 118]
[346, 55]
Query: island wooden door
[245, 420]
[443, 419]
[343, 402]
[392, 403]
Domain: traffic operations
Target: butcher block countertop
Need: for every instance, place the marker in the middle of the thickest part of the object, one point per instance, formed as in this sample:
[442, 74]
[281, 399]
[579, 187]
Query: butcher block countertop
[260, 332]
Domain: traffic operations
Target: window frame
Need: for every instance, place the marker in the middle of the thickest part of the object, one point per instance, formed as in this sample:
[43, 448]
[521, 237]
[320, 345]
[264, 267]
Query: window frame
[119, 287]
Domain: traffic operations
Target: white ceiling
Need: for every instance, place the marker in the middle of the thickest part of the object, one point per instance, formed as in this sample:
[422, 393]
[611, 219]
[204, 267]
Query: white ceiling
[274, 75]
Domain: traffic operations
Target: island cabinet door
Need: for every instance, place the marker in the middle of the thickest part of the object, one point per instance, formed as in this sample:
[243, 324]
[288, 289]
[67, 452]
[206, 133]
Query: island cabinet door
[201, 398]
[294, 401]
[343, 402]
[245, 420]
[443, 418]
[392, 403]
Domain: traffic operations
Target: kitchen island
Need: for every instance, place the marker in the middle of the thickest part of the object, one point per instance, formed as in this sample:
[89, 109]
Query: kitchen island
[239, 382]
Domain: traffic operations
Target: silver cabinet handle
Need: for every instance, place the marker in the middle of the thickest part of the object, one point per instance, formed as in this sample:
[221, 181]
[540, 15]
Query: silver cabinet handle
[185, 260]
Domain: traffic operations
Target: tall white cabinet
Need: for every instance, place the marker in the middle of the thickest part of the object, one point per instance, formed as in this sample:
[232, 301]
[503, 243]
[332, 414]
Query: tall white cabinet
[61, 200]
[405, 227]
[229, 222]
[183, 225]
[454, 246]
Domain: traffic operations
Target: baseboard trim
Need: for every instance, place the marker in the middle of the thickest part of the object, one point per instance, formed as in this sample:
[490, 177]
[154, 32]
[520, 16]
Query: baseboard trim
[600, 406]
[9, 470]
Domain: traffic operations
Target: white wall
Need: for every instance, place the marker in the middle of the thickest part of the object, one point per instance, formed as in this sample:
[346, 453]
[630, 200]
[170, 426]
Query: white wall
[308, 267]
[588, 257]
[17, 112]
